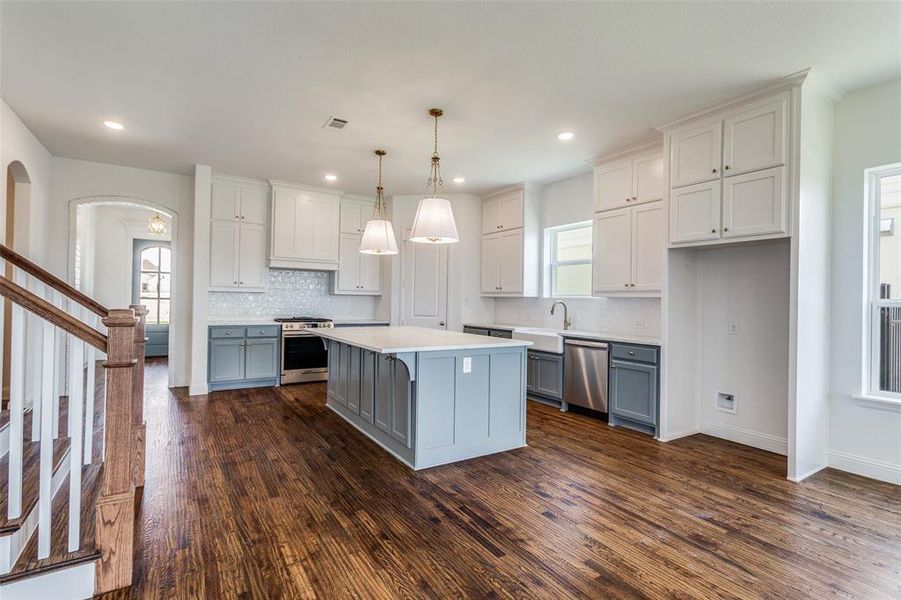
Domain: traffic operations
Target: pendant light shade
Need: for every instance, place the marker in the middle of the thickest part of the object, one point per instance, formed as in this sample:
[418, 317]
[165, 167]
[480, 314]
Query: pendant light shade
[378, 238]
[378, 235]
[434, 222]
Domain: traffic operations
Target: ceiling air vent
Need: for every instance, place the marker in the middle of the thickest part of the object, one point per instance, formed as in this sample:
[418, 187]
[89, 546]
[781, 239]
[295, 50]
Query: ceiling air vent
[335, 123]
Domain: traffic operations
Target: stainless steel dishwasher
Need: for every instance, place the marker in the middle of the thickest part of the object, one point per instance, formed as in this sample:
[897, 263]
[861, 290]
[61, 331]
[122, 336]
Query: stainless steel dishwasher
[585, 374]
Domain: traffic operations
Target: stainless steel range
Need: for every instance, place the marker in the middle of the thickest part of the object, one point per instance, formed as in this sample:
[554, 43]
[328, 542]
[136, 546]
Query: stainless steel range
[304, 354]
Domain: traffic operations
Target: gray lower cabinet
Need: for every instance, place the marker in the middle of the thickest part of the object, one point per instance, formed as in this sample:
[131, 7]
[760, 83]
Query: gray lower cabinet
[375, 386]
[544, 375]
[243, 357]
[633, 388]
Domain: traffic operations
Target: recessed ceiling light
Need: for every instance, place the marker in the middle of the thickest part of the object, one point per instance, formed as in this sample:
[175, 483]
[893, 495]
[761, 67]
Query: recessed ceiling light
[114, 125]
[331, 177]
[566, 136]
[459, 179]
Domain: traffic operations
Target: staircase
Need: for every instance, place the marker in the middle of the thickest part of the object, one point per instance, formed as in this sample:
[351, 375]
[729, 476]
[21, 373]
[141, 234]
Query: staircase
[71, 439]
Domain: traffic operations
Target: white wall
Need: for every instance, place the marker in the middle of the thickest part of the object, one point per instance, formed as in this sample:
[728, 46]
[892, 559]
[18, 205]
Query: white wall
[77, 179]
[567, 201]
[113, 250]
[862, 439]
[748, 286]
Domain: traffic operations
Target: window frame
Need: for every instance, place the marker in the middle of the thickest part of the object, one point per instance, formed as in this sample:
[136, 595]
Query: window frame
[551, 261]
[872, 302]
[138, 248]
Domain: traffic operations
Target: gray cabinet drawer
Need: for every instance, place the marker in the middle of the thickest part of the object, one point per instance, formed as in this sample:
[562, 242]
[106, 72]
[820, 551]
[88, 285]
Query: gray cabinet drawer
[227, 332]
[260, 331]
[635, 353]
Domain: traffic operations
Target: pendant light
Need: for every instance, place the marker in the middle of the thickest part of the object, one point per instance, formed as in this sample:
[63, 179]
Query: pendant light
[434, 221]
[156, 225]
[378, 236]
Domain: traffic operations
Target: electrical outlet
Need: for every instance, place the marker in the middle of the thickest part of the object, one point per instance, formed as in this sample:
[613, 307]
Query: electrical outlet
[467, 364]
[733, 327]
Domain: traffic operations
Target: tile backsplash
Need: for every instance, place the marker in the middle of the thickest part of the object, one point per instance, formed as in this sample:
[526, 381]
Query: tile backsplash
[292, 293]
[625, 316]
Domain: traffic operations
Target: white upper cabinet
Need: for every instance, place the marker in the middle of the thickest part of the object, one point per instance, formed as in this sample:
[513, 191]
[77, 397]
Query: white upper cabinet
[358, 274]
[611, 264]
[695, 213]
[233, 202]
[755, 139]
[502, 211]
[613, 185]
[755, 203]
[238, 216]
[628, 181]
[305, 224]
[748, 198]
[628, 251]
[502, 263]
[696, 154]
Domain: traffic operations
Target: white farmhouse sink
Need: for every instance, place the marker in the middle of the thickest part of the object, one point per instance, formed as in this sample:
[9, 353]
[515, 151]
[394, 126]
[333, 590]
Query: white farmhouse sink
[545, 340]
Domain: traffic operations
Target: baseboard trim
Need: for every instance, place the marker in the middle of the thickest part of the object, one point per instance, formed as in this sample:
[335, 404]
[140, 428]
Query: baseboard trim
[199, 389]
[866, 467]
[679, 434]
[748, 437]
[803, 476]
[76, 583]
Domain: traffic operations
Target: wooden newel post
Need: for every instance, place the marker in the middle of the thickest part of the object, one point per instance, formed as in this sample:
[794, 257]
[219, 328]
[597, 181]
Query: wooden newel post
[138, 427]
[115, 507]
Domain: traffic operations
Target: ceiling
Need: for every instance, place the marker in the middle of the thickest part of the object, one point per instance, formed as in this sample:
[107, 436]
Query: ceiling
[246, 87]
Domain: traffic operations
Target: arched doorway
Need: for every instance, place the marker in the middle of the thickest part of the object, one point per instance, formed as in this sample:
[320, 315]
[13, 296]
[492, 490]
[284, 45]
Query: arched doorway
[126, 277]
[16, 230]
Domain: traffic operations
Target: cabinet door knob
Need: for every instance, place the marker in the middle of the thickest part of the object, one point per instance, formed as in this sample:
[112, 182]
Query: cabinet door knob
[626, 284]
[237, 216]
[235, 282]
[725, 229]
[726, 167]
[628, 199]
[713, 230]
[714, 170]
[228, 333]
[241, 283]
[631, 285]
[634, 198]
[631, 354]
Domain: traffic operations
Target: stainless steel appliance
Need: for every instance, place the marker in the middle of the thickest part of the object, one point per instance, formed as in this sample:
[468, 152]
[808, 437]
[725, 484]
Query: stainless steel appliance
[304, 354]
[585, 374]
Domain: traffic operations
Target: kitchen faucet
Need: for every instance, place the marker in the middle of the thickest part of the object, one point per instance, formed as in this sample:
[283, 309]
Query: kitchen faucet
[566, 322]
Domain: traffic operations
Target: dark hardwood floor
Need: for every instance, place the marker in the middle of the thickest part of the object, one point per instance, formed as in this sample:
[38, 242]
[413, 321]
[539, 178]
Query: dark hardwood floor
[266, 494]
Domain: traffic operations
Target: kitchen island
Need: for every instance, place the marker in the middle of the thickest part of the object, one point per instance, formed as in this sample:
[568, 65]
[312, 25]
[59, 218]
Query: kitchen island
[429, 396]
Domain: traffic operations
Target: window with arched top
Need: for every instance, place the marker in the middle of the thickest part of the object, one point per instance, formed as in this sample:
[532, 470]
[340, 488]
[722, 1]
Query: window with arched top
[153, 276]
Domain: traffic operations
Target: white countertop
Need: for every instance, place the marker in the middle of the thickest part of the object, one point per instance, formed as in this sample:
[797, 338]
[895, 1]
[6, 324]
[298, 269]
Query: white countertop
[391, 340]
[242, 321]
[359, 322]
[576, 333]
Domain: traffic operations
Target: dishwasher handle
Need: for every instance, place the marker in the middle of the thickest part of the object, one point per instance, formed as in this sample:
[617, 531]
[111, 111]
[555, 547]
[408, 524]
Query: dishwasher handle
[600, 345]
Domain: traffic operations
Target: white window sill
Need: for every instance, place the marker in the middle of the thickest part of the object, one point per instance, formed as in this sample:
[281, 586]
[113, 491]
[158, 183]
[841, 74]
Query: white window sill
[878, 402]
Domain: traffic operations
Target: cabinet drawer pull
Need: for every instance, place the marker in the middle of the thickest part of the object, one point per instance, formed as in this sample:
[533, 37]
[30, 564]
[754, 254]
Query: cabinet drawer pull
[228, 333]
[631, 354]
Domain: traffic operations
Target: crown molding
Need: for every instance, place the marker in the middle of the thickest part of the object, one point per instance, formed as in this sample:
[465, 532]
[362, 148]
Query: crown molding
[303, 186]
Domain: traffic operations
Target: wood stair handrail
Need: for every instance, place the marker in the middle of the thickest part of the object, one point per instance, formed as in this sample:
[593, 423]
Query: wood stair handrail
[55, 315]
[52, 280]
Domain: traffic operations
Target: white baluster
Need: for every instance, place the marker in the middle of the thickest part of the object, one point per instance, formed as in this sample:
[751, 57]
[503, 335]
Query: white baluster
[16, 409]
[45, 496]
[58, 345]
[36, 356]
[76, 399]
[90, 398]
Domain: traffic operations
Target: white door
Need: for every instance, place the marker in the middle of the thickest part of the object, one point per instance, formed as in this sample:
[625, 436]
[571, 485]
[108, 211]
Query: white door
[648, 243]
[424, 284]
[491, 277]
[613, 185]
[510, 250]
[349, 263]
[491, 215]
[611, 263]
[755, 139]
[225, 202]
[253, 206]
[647, 178]
[511, 210]
[696, 154]
[252, 272]
[370, 273]
[224, 253]
[755, 203]
[695, 213]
